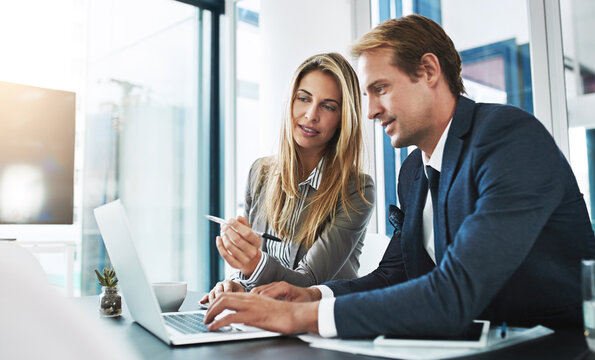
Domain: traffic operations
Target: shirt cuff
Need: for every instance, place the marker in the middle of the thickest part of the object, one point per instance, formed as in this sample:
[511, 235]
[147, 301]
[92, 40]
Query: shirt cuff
[249, 282]
[326, 318]
[325, 291]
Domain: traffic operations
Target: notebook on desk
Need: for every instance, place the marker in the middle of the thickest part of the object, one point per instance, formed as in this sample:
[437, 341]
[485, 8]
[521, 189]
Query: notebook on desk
[177, 328]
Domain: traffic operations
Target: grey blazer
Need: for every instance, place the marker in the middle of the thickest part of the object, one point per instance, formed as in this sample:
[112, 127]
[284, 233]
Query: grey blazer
[334, 254]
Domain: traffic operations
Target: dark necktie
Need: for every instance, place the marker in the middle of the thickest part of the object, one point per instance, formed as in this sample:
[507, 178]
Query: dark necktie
[433, 181]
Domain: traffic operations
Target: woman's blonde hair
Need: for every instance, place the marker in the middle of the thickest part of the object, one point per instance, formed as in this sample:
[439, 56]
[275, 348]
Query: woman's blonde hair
[342, 157]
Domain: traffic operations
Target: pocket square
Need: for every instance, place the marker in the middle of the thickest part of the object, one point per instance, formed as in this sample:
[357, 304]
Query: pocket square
[395, 217]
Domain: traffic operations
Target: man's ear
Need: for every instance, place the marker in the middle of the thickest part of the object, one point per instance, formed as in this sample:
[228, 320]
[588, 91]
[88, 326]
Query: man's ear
[430, 68]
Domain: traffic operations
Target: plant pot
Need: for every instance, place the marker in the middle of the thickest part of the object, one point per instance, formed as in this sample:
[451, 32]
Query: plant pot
[110, 302]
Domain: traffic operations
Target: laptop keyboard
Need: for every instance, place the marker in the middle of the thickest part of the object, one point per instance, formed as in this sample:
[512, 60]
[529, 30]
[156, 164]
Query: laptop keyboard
[189, 323]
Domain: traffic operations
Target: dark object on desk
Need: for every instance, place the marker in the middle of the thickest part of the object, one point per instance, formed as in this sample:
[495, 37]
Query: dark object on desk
[471, 333]
[8, 239]
[503, 330]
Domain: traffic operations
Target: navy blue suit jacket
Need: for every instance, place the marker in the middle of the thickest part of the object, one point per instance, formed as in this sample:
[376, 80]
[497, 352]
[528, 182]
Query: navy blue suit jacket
[514, 225]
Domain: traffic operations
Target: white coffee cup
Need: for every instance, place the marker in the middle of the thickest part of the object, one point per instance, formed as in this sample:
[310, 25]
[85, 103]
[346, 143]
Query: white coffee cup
[170, 294]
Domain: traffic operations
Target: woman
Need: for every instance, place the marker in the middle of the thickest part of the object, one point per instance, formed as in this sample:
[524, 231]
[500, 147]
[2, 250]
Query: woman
[313, 195]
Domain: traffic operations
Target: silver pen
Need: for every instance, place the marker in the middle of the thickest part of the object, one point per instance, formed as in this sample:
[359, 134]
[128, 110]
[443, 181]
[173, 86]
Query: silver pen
[261, 234]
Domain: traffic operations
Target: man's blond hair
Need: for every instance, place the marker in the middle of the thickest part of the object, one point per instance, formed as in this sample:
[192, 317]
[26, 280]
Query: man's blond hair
[409, 38]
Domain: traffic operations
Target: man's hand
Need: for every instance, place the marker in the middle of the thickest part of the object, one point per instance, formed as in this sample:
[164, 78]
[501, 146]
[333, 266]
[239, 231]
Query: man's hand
[239, 246]
[220, 288]
[284, 291]
[263, 312]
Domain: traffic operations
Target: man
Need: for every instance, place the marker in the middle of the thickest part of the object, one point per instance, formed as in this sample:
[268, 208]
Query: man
[499, 235]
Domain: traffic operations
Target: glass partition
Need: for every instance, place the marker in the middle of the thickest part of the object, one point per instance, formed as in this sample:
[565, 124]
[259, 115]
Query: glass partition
[579, 66]
[146, 119]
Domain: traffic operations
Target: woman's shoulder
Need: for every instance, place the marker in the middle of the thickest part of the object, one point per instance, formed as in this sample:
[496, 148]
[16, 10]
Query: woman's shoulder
[261, 161]
[261, 164]
[365, 180]
[367, 188]
[259, 171]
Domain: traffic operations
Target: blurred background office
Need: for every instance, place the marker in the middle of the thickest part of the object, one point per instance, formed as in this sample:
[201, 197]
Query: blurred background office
[175, 100]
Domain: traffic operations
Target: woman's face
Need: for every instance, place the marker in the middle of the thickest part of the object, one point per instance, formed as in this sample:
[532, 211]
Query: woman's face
[316, 111]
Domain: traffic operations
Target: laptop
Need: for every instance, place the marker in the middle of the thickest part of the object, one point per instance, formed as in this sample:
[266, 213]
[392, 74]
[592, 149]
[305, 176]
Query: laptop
[176, 328]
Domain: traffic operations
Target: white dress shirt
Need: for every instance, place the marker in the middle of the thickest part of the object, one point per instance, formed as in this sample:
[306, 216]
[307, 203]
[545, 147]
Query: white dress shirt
[435, 161]
[326, 308]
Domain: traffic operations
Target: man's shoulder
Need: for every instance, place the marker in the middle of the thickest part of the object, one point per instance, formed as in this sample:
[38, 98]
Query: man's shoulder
[492, 109]
[481, 111]
[487, 114]
[492, 121]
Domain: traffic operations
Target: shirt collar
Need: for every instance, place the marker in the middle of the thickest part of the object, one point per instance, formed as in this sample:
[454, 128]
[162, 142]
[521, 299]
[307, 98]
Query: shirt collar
[435, 160]
[314, 179]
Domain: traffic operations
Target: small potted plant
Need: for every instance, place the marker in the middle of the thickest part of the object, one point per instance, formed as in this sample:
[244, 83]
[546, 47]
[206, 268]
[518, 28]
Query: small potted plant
[110, 300]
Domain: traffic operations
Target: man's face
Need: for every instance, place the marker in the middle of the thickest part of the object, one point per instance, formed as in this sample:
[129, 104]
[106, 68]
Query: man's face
[402, 105]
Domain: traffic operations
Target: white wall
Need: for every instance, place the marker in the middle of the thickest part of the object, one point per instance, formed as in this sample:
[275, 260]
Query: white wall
[267, 55]
[290, 32]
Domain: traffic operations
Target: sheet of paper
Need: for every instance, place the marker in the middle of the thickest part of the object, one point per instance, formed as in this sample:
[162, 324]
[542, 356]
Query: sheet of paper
[367, 347]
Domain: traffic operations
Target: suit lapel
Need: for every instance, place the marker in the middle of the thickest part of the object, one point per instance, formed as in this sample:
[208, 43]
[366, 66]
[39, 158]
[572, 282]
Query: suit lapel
[415, 257]
[461, 123]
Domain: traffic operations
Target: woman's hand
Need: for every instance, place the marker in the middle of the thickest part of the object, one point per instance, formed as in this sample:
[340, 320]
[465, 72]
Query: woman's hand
[239, 246]
[220, 288]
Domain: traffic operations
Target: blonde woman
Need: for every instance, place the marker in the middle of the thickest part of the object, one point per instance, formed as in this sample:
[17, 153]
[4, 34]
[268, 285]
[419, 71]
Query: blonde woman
[313, 195]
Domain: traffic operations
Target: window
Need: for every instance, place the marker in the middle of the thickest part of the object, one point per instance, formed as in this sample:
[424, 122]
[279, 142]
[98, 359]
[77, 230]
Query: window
[147, 134]
[145, 124]
[249, 123]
